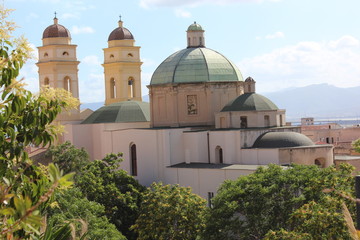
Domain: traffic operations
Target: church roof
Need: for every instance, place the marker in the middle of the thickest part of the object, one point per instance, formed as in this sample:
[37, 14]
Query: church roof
[193, 65]
[120, 33]
[195, 27]
[56, 30]
[121, 112]
[281, 140]
[250, 102]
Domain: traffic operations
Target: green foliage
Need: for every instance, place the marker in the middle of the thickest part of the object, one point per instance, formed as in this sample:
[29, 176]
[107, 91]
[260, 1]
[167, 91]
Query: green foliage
[68, 157]
[104, 182]
[71, 205]
[356, 145]
[250, 206]
[24, 119]
[170, 212]
[22, 202]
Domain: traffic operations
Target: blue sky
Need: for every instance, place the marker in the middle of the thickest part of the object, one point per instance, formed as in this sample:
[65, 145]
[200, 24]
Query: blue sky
[280, 43]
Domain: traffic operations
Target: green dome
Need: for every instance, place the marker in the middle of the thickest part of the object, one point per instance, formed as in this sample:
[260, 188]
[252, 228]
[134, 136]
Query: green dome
[193, 65]
[281, 140]
[250, 102]
[121, 112]
[195, 27]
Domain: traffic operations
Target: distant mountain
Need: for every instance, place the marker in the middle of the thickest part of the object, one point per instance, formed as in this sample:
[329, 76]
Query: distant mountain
[93, 106]
[96, 105]
[318, 101]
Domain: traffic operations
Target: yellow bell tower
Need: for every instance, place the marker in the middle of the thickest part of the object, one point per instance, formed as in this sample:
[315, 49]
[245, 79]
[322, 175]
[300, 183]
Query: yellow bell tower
[58, 65]
[122, 67]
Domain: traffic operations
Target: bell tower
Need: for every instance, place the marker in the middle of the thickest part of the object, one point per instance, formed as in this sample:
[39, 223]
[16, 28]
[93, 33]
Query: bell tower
[122, 67]
[58, 65]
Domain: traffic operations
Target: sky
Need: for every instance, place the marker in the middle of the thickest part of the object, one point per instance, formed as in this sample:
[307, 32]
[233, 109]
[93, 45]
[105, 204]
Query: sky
[280, 43]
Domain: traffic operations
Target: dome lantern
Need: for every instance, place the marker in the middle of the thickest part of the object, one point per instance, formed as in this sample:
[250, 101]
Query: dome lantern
[195, 36]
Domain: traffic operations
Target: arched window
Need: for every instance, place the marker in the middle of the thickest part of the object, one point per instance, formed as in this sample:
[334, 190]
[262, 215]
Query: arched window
[112, 88]
[219, 155]
[130, 55]
[131, 87]
[319, 162]
[200, 41]
[133, 160]
[67, 83]
[65, 54]
[111, 55]
[46, 81]
[266, 121]
[188, 41]
[46, 54]
[281, 120]
[249, 88]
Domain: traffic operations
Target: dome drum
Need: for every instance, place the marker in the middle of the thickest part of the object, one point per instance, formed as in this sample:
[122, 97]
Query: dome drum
[191, 104]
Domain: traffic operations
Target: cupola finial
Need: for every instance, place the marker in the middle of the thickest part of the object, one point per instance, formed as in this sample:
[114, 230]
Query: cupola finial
[120, 21]
[55, 18]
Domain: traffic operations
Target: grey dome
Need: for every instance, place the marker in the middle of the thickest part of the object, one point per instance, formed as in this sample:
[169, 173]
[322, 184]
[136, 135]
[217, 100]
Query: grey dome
[282, 140]
[126, 111]
[250, 102]
[193, 65]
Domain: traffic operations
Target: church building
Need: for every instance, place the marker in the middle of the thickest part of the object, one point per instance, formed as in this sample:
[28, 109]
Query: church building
[204, 123]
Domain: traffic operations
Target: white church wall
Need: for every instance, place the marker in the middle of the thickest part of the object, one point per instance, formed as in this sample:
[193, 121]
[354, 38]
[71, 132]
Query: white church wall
[149, 161]
[266, 156]
[229, 141]
[177, 146]
[195, 147]
[249, 156]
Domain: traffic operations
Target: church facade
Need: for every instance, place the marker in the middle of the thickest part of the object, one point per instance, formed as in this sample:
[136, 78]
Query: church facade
[204, 123]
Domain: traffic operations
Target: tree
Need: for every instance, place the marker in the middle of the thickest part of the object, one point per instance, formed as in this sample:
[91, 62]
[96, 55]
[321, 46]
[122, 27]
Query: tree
[71, 205]
[356, 145]
[68, 157]
[104, 182]
[269, 199]
[25, 119]
[170, 212]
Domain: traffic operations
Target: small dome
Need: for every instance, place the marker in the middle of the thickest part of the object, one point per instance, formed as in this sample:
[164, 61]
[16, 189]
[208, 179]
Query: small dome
[193, 65]
[249, 79]
[282, 140]
[121, 112]
[56, 30]
[195, 27]
[120, 33]
[250, 102]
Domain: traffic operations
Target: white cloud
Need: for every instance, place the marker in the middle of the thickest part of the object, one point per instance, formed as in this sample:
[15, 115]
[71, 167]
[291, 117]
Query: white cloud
[92, 88]
[29, 72]
[334, 62]
[32, 15]
[80, 30]
[182, 13]
[193, 3]
[91, 60]
[275, 35]
[69, 16]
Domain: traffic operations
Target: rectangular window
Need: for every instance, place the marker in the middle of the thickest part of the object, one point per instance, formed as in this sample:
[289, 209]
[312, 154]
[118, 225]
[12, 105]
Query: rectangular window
[192, 104]
[210, 196]
[243, 122]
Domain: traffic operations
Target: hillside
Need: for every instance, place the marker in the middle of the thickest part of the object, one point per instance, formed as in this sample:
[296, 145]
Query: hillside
[319, 101]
